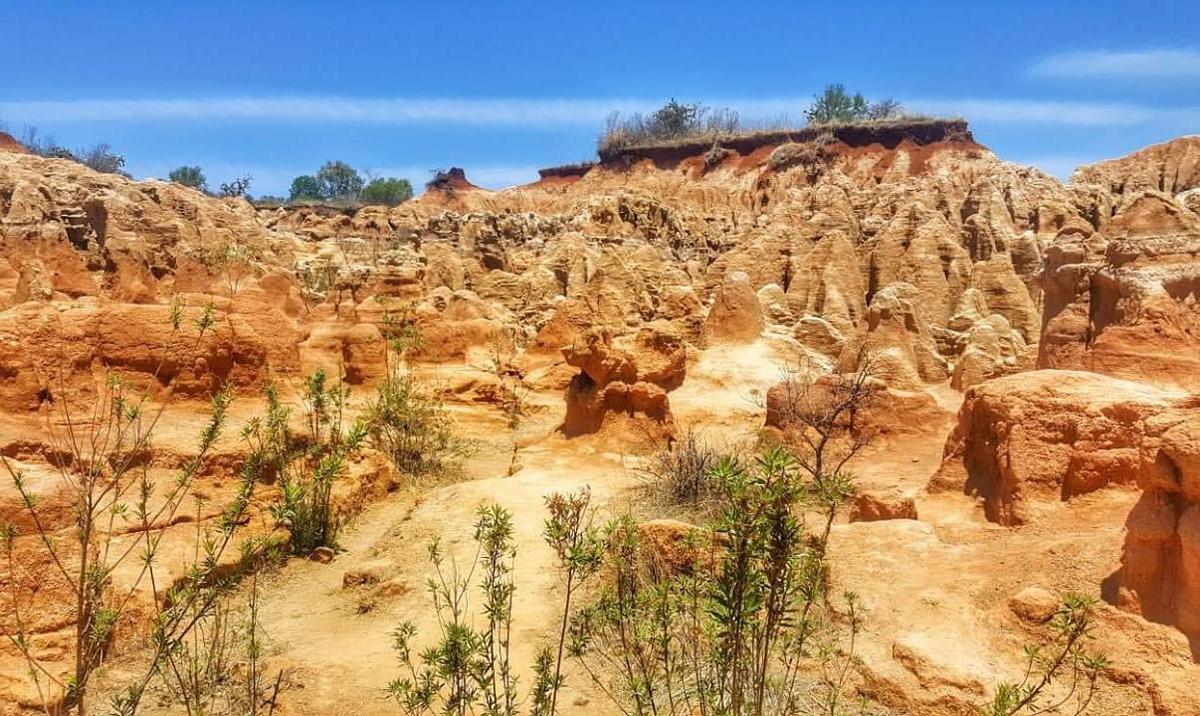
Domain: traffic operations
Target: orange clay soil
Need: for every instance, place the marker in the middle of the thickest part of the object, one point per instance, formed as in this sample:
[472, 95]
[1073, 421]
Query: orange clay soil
[1034, 349]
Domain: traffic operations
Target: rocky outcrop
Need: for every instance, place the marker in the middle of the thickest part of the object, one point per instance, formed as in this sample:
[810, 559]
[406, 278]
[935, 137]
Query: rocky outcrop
[47, 353]
[735, 315]
[625, 381]
[896, 341]
[1160, 565]
[989, 348]
[1049, 436]
[1172, 167]
[1124, 298]
[766, 249]
[1025, 441]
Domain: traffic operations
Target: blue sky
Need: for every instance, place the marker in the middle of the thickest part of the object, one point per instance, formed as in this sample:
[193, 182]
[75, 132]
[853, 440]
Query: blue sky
[502, 88]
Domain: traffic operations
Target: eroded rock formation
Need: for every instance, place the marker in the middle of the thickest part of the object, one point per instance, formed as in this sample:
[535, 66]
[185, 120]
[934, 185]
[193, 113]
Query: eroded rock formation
[925, 256]
[624, 382]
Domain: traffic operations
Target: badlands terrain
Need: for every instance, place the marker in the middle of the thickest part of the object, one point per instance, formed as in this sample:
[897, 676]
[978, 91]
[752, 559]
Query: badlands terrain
[1034, 355]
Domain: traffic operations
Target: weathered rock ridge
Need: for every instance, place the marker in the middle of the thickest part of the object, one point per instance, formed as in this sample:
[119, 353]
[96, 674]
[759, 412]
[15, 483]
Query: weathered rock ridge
[607, 284]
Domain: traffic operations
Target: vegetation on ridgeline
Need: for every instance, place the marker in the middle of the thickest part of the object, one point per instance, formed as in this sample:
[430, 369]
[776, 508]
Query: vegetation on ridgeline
[189, 176]
[673, 121]
[336, 183]
[692, 123]
[836, 106]
[339, 184]
[98, 157]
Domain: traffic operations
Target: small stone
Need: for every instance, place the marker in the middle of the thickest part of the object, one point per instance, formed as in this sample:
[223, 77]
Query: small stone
[872, 507]
[324, 555]
[1034, 604]
[392, 588]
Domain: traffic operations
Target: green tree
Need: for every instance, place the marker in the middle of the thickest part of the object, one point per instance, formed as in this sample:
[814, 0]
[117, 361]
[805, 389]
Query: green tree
[339, 180]
[389, 191]
[835, 105]
[305, 188]
[675, 119]
[189, 176]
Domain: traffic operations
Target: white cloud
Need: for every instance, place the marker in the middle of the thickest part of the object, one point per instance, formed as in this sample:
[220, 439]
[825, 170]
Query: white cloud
[1164, 63]
[515, 112]
[533, 113]
[1005, 111]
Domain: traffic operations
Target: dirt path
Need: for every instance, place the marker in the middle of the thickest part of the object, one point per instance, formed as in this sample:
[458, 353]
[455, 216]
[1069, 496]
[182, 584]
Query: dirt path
[337, 639]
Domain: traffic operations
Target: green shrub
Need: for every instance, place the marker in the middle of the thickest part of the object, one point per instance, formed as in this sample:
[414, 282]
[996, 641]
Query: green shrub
[100, 157]
[411, 426]
[305, 188]
[681, 470]
[467, 667]
[189, 176]
[468, 670]
[219, 668]
[1061, 675]
[307, 468]
[407, 421]
[579, 552]
[731, 634]
[673, 121]
[389, 191]
[836, 106]
[235, 188]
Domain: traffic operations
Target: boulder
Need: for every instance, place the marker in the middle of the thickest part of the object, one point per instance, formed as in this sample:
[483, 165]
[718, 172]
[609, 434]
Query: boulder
[735, 315]
[872, 507]
[1034, 604]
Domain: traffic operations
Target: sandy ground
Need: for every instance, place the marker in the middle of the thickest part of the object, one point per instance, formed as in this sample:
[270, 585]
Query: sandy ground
[936, 590]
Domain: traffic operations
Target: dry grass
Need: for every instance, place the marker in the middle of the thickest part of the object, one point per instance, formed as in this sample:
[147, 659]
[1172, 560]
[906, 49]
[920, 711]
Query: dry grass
[919, 128]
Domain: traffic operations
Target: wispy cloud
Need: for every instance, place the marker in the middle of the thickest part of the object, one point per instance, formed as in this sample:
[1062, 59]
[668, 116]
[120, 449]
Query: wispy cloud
[1004, 111]
[1141, 64]
[532, 113]
[513, 112]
